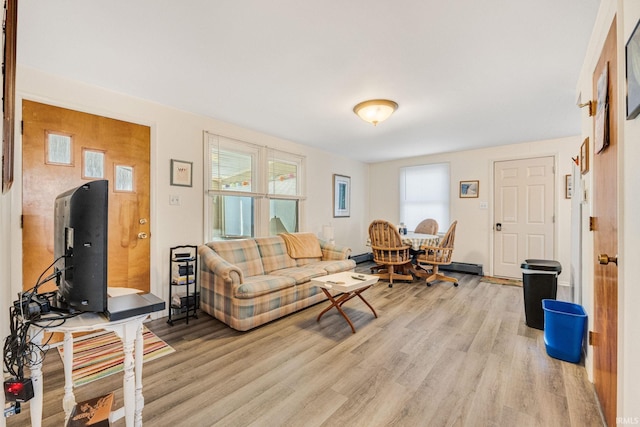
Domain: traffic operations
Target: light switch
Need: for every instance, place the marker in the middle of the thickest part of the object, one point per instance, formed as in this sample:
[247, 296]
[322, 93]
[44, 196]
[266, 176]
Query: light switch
[174, 200]
[484, 205]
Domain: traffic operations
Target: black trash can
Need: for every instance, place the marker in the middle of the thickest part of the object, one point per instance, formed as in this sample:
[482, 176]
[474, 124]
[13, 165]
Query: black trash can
[539, 281]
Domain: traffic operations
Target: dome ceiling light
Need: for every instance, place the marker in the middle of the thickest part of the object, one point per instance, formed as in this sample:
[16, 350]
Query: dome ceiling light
[375, 110]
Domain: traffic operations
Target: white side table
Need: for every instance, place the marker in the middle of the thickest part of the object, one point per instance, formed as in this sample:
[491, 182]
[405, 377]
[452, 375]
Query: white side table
[128, 330]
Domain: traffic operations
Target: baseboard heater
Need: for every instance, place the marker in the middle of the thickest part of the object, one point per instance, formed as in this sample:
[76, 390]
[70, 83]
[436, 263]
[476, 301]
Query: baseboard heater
[362, 257]
[459, 267]
[463, 267]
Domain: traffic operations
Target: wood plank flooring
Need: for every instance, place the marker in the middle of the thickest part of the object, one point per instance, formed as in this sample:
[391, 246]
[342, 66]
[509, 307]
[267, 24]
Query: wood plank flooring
[435, 356]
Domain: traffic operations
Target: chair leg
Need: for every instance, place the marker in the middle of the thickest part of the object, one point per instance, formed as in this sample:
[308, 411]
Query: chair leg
[436, 276]
[402, 273]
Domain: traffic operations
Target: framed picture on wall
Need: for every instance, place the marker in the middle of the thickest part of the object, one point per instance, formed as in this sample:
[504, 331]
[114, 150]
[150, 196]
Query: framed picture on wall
[568, 186]
[10, 26]
[632, 52]
[469, 189]
[584, 156]
[341, 196]
[181, 173]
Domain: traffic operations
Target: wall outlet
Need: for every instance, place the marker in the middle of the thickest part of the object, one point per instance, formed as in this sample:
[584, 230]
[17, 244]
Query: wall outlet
[174, 200]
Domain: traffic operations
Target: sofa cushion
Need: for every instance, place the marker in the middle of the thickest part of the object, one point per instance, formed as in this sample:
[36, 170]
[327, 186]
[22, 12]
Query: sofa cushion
[256, 286]
[274, 254]
[301, 274]
[244, 254]
[332, 267]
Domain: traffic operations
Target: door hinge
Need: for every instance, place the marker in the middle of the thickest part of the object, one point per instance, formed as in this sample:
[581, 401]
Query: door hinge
[592, 223]
[21, 127]
[553, 219]
[21, 221]
[593, 338]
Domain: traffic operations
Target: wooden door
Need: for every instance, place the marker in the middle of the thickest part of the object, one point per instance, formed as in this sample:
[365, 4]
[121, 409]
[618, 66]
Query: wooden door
[605, 203]
[63, 149]
[523, 212]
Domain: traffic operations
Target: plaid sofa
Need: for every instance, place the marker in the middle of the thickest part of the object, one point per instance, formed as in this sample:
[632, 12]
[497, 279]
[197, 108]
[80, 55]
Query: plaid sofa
[246, 283]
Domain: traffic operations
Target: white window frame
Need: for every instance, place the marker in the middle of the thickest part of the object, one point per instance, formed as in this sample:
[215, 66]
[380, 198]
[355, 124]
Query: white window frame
[407, 199]
[260, 191]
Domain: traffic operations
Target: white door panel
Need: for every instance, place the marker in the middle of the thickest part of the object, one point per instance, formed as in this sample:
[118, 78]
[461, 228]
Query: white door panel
[524, 208]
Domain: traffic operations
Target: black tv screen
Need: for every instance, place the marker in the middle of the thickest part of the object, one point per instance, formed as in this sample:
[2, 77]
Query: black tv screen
[80, 247]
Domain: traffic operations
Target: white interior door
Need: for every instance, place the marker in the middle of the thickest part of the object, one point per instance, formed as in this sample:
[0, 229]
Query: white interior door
[523, 213]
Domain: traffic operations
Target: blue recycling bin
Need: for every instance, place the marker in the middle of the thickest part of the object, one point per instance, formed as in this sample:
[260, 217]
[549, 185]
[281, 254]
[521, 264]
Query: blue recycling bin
[564, 326]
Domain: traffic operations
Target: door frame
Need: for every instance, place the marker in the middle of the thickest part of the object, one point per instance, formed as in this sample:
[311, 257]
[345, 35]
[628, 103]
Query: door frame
[155, 265]
[491, 216]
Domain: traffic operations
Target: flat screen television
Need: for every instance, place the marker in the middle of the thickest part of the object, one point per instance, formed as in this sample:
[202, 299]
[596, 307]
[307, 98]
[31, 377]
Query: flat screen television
[80, 247]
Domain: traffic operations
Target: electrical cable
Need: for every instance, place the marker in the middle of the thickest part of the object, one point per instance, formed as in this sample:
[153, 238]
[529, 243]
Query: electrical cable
[19, 349]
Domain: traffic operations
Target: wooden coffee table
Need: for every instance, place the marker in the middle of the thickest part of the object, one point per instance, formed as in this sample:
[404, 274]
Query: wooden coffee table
[349, 285]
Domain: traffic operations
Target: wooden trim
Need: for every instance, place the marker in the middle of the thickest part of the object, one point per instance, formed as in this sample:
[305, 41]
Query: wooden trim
[9, 92]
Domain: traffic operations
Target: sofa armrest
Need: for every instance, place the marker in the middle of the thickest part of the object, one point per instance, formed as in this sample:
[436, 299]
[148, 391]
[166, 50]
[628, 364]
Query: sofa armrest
[332, 252]
[212, 262]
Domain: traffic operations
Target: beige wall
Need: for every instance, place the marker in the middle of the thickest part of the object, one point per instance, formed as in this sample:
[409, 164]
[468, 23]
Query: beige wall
[179, 135]
[474, 234]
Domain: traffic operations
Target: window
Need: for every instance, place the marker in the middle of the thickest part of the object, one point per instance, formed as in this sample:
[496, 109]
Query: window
[284, 191]
[251, 190]
[425, 193]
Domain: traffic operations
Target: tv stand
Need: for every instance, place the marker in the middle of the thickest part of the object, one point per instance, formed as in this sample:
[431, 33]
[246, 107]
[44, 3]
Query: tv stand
[129, 330]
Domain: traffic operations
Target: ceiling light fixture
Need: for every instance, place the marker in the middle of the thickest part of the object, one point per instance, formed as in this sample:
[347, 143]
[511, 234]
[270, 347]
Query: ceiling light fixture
[376, 110]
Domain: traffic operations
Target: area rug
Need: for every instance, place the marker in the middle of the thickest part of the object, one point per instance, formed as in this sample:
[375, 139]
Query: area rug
[501, 281]
[100, 355]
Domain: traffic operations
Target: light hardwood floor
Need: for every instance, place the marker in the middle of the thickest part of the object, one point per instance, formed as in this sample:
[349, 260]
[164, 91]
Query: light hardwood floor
[435, 356]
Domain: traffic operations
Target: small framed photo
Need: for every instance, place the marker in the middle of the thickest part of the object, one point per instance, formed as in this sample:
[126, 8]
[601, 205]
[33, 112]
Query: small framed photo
[341, 196]
[469, 189]
[632, 52]
[584, 156]
[181, 173]
[568, 186]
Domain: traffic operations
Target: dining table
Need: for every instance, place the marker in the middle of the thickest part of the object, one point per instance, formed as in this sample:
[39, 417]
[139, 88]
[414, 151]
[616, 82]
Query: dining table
[416, 240]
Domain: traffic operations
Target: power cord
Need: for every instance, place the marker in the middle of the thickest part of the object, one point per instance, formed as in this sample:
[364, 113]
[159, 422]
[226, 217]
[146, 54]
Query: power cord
[19, 349]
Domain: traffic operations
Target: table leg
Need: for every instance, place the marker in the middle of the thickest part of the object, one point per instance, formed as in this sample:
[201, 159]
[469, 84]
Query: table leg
[127, 333]
[69, 399]
[35, 408]
[365, 301]
[337, 303]
[139, 349]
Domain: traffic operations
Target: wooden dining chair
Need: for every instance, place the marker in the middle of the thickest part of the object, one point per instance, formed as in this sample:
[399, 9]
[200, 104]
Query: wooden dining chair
[427, 226]
[389, 252]
[427, 263]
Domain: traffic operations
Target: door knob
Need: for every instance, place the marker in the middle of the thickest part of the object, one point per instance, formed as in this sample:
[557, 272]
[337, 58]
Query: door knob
[605, 259]
[142, 235]
[142, 221]
[498, 226]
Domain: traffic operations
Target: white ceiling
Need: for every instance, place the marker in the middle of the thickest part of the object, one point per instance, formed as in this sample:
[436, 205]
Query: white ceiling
[466, 73]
